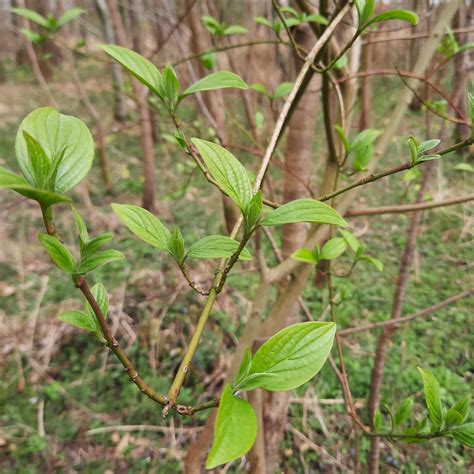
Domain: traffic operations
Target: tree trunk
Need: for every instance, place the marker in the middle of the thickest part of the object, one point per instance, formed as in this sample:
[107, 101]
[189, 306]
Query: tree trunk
[146, 139]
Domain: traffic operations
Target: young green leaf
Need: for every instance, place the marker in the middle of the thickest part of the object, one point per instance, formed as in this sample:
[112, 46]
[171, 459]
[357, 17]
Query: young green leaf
[39, 163]
[350, 239]
[464, 167]
[235, 430]
[100, 295]
[81, 227]
[78, 319]
[209, 60]
[91, 262]
[32, 16]
[304, 255]
[234, 30]
[216, 80]
[333, 248]
[282, 90]
[315, 18]
[253, 211]
[227, 171]
[373, 261]
[294, 355]
[93, 245]
[260, 88]
[367, 11]
[413, 149]
[59, 254]
[144, 225]
[303, 210]
[65, 140]
[363, 139]
[69, 15]
[377, 421]
[216, 246]
[400, 15]
[177, 249]
[428, 145]
[169, 87]
[459, 412]
[464, 434]
[31, 36]
[343, 138]
[432, 397]
[403, 412]
[145, 71]
[19, 184]
[244, 367]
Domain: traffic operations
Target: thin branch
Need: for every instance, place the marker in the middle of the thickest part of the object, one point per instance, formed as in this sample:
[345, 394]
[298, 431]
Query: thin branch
[420, 314]
[401, 209]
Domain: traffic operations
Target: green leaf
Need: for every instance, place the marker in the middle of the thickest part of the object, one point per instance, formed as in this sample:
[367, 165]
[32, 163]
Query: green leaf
[144, 225]
[100, 295]
[317, 19]
[32, 36]
[39, 163]
[212, 25]
[216, 80]
[428, 145]
[145, 71]
[19, 184]
[403, 412]
[304, 255]
[432, 397]
[424, 158]
[303, 210]
[209, 60]
[216, 246]
[93, 245]
[59, 254]
[341, 62]
[80, 226]
[282, 90]
[377, 421]
[400, 15]
[459, 412]
[373, 261]
[260, 88]
[169, 87]
[244, 367]
[464, 167]
[69, 15]
[367, 11]
[253, 211]
[413, 149]
[177, 249]
[263, 21]
[235, 30]
[227, 171]
[78, 319]
[350, 239]
[235, 430]
[289, 10]
[333, 248]
[91, 262]
[464, 434]
[363, 139]
[294, 354]
[66, 141]
[32, 16]
[343, 138]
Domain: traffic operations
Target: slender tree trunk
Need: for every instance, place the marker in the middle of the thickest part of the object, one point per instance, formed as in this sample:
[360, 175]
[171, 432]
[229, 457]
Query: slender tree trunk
[117, 77]
[146, 139]
[214, 101]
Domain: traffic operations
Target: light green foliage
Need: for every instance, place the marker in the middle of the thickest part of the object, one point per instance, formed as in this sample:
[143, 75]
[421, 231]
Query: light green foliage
[235, 430]
[333, 248]
[216, 246]
[216, 80]
[303, 210]
[432, 397]
[87, 319]
[229, 173]
[216, 28]
[366, 8]
[292, 356]
[59, 253]
[144, 225]
[64, 145]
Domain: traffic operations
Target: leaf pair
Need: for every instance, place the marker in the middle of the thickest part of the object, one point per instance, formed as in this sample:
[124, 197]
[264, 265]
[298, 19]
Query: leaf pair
[366, 9]
[50, 23]
[166, 86]
[150, 229]
[418, 150]
[221, 29]
[361, 146]
[86, 319]
[54, 151]
[287, 360]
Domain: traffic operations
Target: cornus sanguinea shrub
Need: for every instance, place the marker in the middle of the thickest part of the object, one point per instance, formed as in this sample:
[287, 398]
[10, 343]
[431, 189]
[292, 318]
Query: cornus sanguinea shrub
[55, 152]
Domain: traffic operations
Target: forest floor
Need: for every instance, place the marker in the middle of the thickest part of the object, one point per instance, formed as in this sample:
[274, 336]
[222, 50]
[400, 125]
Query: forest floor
[65, 405]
